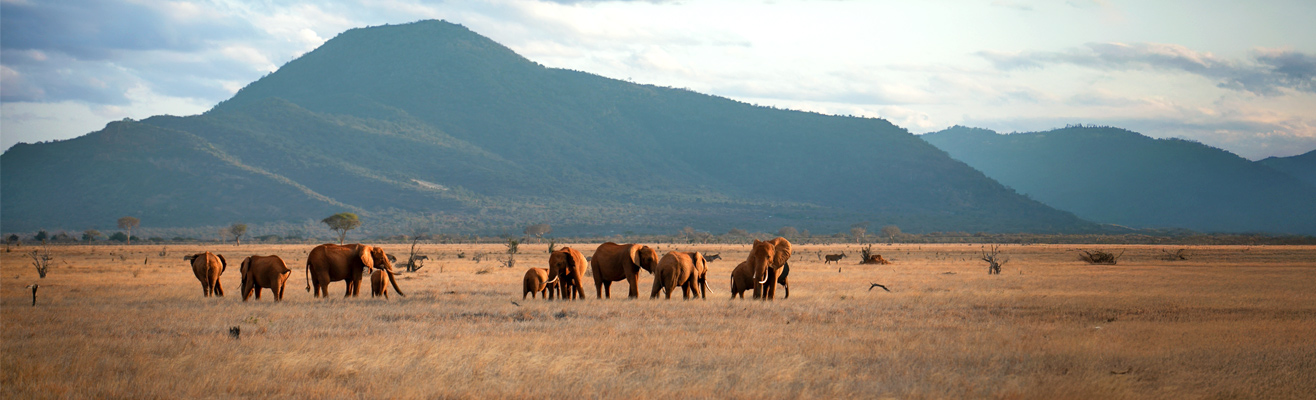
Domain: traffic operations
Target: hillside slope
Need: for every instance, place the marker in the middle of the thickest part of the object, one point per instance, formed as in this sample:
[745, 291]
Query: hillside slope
[430, 121]
[1111, 175]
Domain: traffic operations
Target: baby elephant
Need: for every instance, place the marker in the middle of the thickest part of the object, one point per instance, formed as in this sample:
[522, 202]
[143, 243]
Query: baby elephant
[379, 283]
[687, 271]
[269, 272]
[534, 282]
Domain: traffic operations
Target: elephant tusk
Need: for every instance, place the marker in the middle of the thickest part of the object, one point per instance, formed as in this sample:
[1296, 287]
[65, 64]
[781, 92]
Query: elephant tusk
[552, 280]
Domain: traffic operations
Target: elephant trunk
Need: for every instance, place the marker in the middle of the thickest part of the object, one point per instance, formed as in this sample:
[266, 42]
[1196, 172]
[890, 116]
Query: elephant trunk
[393, 281]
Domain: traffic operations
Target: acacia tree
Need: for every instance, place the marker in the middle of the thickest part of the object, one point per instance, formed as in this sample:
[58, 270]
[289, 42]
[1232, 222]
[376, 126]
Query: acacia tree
[237, 230]
[128, 223]
[891, 231]
[12, 239]
[788, 232]
[859, 234]
[341, 223]
[538, 230]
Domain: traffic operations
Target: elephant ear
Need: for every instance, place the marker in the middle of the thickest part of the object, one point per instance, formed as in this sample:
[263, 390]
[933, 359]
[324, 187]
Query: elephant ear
[571, 261]
[635, 256]
[223, 264]
[246, 265]
[363, 252]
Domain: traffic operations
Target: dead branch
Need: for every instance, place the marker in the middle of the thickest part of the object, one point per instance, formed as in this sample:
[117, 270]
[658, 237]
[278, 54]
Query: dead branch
[1100, 257]
[878, 285]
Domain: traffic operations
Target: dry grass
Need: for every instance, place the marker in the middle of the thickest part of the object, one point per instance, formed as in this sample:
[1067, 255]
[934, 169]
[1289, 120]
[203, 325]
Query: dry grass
[1230, 322]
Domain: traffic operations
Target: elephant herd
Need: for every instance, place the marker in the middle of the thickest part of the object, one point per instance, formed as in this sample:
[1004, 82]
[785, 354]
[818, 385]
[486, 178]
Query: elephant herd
[324, 264]
[765, 267]
[611, 262]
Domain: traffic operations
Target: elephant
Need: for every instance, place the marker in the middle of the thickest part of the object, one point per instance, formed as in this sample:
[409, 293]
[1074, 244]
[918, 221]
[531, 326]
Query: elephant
[379, 284]
[686, 270]
[613, 262]
[264, 272]
[536, 281]
[566, 268]
[331, 262]
[208, 267]
[742, 279]
[775, 271]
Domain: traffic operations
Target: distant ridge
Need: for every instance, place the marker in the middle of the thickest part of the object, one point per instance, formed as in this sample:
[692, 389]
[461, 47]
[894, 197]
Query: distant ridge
[1111, 175]
[430, 123]
[1302, 166]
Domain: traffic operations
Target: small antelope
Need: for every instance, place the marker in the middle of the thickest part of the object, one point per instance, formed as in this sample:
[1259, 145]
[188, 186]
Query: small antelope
[712, 258]
[836, 258]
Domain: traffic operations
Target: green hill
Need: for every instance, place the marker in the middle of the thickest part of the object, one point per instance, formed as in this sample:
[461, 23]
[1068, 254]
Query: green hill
[430, 121]
[1302, 166]
[1111, 175]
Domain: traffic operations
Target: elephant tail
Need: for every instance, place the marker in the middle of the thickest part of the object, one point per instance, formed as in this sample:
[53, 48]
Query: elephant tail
[308, 274]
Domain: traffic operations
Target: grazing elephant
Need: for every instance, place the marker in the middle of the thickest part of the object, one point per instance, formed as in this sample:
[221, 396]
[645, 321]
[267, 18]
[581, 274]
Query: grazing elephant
[689, 271]
[776, 270]
[330, 262]
[613, 262]
[536, 281]
[379, 283]
[742, 279]
[268, 272]
[566, 269]
[208, 267]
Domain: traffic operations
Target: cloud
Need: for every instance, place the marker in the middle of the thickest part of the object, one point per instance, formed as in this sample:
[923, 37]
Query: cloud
[96, 29]
[1013, 4]
[1268, 73]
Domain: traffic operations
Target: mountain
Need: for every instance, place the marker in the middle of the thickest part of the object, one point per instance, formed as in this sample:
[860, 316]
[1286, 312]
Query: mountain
[431, 123]
[1111, 175]
[1302, 166]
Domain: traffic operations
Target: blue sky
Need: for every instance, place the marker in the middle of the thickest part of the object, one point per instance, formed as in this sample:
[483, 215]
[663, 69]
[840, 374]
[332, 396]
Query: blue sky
[1229, 74]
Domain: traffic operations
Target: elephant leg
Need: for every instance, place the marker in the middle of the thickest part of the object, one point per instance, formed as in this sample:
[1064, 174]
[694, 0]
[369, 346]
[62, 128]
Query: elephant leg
[257, 289]
[657, 286]
[219, 290]
[770, 288]
[786, 288]
[607, 290]
[634, 283]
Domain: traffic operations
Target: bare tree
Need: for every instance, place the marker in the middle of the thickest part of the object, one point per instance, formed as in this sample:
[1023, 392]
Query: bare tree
[41, 259]
[237, 230]
[341, 223]
[993, 259]
[418, 234]
[90, 235]
[512, 246]
[127, 224]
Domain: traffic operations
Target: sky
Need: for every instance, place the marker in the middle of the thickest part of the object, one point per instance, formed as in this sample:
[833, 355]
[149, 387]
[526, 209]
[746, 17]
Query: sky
[1240, 76]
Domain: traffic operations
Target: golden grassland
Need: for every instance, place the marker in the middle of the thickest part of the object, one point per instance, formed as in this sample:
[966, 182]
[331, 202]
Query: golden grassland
[125, 322]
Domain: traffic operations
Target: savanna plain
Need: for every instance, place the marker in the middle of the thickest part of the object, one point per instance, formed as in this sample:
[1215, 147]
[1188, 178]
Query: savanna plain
[131, 322]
